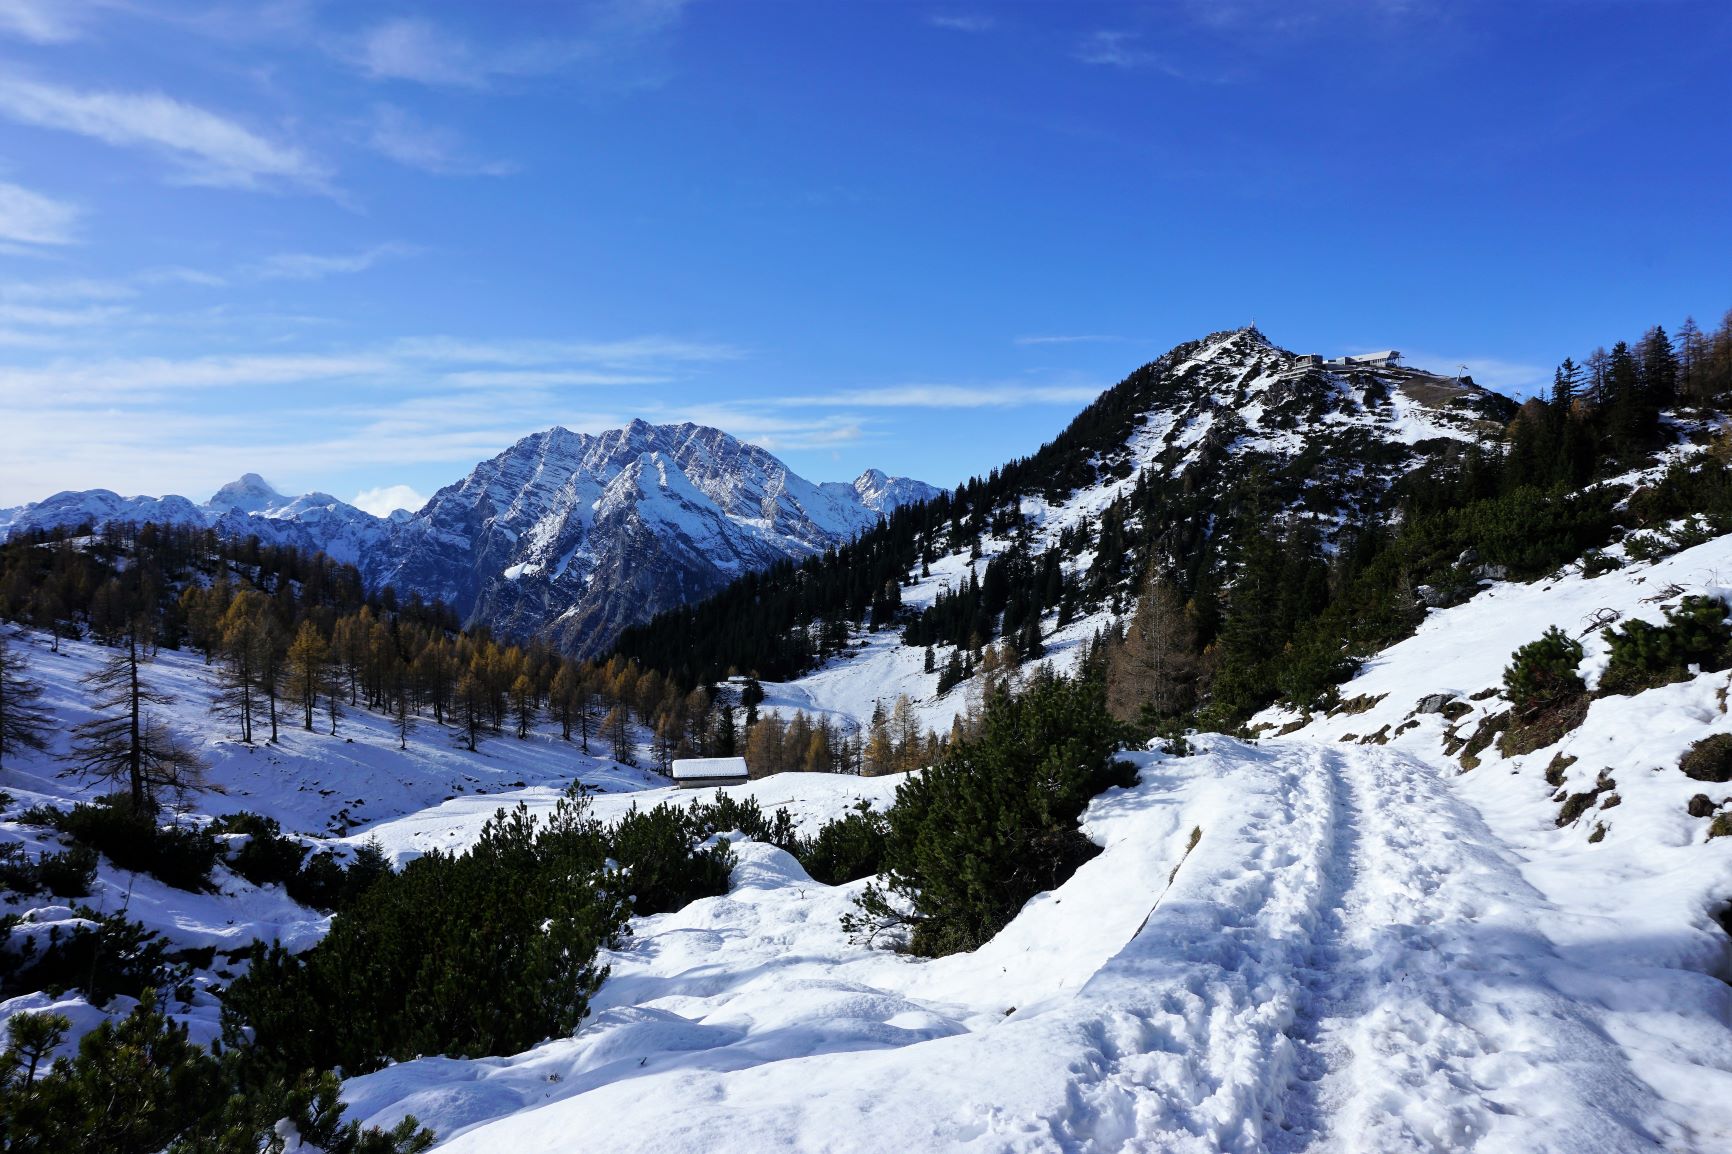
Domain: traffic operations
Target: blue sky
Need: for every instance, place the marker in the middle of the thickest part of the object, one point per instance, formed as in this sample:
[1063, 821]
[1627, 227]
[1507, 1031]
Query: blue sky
[357, 246]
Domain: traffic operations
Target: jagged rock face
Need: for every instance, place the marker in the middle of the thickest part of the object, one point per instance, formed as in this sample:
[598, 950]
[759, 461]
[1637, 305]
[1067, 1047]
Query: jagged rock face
[584, 535]
[564, 534]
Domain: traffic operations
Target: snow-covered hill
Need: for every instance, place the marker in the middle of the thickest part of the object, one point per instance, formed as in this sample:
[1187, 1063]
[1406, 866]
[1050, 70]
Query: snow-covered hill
[1367, 949]
[1328, 439]
[568, 534]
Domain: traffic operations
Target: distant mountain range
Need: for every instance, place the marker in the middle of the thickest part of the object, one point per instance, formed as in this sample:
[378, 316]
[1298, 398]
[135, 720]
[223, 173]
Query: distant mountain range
[565, 534]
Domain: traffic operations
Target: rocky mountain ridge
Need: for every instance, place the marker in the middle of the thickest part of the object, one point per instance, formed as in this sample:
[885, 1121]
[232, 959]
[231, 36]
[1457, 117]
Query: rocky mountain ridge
[569, 534]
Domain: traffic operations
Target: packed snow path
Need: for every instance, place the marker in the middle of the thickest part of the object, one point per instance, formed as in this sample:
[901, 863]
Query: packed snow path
[1348, 960]
[1375, 983]
[1425, 1018]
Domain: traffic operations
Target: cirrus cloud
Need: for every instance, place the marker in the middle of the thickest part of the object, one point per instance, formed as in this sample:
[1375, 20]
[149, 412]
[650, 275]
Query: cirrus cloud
[206, 148]
[29, 219]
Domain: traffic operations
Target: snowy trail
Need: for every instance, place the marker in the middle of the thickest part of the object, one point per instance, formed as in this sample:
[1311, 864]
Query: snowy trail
[1357, 967]
[1331, 990]
[1426, 1017]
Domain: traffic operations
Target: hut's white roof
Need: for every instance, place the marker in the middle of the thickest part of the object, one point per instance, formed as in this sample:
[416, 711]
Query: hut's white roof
[709, 767]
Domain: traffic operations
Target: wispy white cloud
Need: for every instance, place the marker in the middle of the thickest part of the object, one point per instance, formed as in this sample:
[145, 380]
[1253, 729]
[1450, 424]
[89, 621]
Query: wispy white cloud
[918, 396]
[1117, 48]
[43, 21]
[387, 499]
[399, 136]
[418, 50]
[317, 266]
[635, 351]
[74, 289]
[206, 148]
[606, 39]
[179, 274]
[46, 316]
[962, 21]
[771, 428]
[151, 424]
[550, 378]
[494, 368]
[1066, 339]
[31, 219]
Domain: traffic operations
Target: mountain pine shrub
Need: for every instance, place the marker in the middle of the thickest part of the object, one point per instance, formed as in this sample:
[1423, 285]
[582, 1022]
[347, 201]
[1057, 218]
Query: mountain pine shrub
[665, 866]
[325, 883]
[847, 848]
[1543, 672]
[65, 875]
[103, 956]
[1645, 655]
[971, 839]
[1547, 697]
[138, 1085]
[486, 952]
[129, 836]
[266, 857]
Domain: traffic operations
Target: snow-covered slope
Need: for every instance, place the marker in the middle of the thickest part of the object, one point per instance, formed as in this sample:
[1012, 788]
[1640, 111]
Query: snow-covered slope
[321, 788]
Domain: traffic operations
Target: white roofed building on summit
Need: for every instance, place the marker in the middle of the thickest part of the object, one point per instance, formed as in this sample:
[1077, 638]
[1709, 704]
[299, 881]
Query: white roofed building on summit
[1384, 357]
[698, 772]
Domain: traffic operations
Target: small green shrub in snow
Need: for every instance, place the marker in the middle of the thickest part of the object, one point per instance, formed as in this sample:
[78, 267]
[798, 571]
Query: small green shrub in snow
[71, 874]
[485, 952]
[1645, 655]
[666, 869]
[971, 839]
[1543, 672]
[266, 857]
[848, 848]
[176, 855]
[139, 1084]
[107, 957]
[1648, 546]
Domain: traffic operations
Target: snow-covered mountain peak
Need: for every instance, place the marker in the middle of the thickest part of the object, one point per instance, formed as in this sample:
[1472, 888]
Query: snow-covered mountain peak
[250, 494]
[592, 532]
